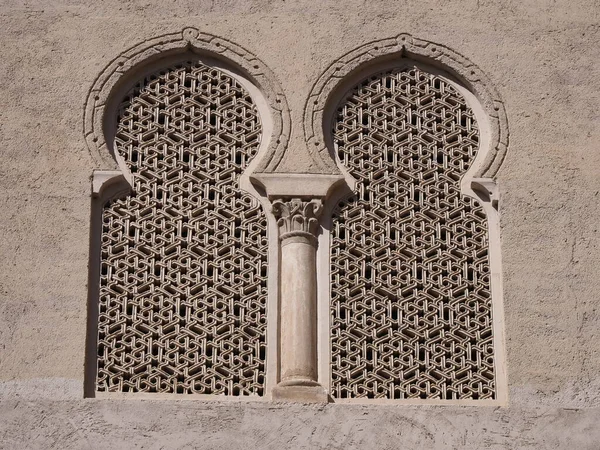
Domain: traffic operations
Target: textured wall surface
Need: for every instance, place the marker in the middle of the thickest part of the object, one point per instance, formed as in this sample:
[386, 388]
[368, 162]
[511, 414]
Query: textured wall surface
[542, 56]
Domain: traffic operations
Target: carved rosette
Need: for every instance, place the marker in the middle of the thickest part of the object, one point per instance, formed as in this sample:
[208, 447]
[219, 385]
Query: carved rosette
[298, 219]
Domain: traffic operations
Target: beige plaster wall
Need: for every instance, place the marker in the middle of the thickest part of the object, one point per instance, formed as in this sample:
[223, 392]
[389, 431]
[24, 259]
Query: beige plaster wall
[544, 59]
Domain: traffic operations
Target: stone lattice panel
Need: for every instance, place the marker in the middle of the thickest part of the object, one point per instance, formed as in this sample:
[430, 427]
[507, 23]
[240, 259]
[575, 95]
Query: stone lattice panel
[411, 310]
[184, 258]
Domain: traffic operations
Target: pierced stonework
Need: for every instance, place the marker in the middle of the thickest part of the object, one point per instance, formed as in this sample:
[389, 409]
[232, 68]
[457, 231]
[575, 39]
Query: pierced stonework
[183, 284]
[411, 308]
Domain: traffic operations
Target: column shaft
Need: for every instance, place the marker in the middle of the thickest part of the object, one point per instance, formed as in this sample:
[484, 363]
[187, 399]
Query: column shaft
[298, 222]
[298, 311]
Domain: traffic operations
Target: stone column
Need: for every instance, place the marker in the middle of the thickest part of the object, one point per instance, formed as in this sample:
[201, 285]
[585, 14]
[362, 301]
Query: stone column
[297, 201]
[298, 222]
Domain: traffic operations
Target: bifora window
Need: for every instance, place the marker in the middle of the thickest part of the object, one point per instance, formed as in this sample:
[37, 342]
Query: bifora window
[381, 272]
[411, 308]
[182, 305]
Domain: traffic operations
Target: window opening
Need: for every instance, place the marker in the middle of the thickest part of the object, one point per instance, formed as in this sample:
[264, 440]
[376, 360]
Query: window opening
[411, 307]
[183, 284]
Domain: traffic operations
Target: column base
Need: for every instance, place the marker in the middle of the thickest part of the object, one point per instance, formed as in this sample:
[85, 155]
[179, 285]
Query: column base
[300, 392]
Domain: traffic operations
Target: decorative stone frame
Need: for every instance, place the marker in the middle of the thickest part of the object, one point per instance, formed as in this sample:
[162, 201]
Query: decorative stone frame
[478, 182]
[365, 59]
[130, 63]
[112, 179]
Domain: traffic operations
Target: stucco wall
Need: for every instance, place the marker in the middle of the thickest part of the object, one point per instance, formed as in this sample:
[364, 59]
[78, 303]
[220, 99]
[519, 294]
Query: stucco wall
[541, 56]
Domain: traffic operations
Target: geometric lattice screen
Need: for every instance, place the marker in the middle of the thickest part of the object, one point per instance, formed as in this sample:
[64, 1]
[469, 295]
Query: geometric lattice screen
[411, 309]
[184, 257]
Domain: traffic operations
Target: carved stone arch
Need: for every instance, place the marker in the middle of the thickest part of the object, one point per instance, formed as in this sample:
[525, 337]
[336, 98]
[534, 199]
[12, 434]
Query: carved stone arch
[373, 61]
[244, 232]
[335, 80]
[135, 60]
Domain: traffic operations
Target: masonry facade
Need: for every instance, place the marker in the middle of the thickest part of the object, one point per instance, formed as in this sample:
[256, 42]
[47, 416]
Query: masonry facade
[301, 239]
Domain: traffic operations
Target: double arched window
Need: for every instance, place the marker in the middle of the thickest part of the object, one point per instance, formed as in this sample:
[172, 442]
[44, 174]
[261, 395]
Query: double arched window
[375, 277]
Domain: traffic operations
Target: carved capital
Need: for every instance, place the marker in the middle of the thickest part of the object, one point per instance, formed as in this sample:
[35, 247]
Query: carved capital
[298, 218]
